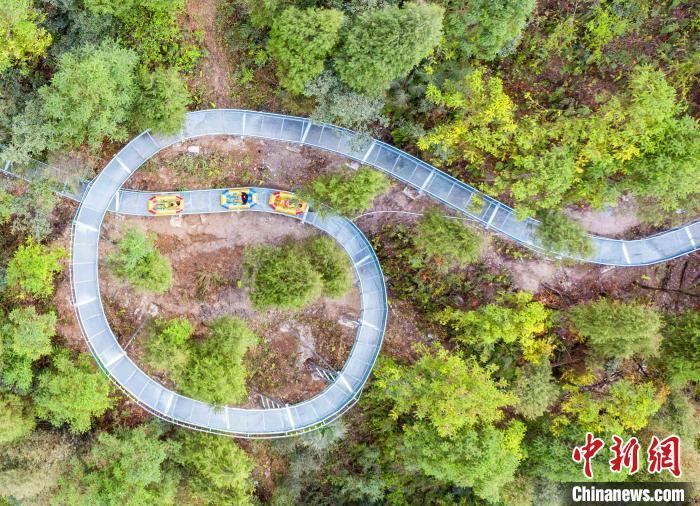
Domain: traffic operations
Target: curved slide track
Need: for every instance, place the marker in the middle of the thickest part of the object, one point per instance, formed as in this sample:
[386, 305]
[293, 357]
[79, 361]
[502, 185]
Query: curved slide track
[112, 358]
[104, 194]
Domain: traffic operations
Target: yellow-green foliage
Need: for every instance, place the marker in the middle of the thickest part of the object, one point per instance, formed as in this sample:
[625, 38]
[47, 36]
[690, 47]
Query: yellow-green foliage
[22, 39]
[483, 119]
[626, 407]
[514, 318]
[31, 270]
[138, 261]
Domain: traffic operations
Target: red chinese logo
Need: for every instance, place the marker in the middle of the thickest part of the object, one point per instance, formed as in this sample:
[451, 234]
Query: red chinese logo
[586, 453]
[665, 455]
[626, 455]
[662, 455]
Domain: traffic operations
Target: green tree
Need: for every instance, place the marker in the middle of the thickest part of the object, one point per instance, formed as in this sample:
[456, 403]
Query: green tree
[300, 40]
[483, 28]
[16, 418]
[28, 333]
[23, 40]
[162, 101]
[31, 270]
[484, 460]
[338, 104]
[443, 409]
[281, 276]
[90, 96]
[515, 318]
[447, 241]
[215, 372]
[535, 388]
[167, 348]
[6, 207]
[333, 264]
[559, 234]
[128, 467]
[442, 390]
[668, 174]
[138, 261]
[617, 329]
[219, 469]
[385, 44]
[681, 347]
[72, 392]
[32, 209]
[26, 337]
[482, 119]
[626, 407]
[346, 194]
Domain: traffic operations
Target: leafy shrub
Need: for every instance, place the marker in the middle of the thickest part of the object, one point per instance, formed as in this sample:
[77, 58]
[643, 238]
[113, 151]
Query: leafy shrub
[139, 262]
[617, 329]
[300, 40]
[152, 29]
[32, 209]
[626, 407]
[215, 372]
[16, 418]
[27, 333]
[167, 348]
[31, 271]
[331, 262]
[281, 276]
[346, 194]
[162, 101]
[294, 274]
[72, 392]
[6, 207]
[447, 241]
[559, 234]
[385, 44]
[444, 409]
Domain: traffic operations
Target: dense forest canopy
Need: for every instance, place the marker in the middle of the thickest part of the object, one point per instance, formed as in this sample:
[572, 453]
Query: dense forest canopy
[551, 106]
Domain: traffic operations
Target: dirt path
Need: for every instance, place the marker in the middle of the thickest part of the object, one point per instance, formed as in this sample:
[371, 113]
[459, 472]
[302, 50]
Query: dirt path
[215, 69]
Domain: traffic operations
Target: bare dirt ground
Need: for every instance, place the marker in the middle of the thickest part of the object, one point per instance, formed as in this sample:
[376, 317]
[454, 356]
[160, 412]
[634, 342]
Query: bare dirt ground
[213, 79]
[616, 222]
[233, 161]
[209, 248]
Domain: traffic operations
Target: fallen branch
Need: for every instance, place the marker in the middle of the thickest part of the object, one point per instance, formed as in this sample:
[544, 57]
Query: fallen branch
[647, 287]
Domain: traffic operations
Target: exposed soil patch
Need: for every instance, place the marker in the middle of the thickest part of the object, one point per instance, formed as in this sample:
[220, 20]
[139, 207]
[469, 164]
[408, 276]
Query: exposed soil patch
[233, 161]
[212, 81]
[615, 222]
[206, 252]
